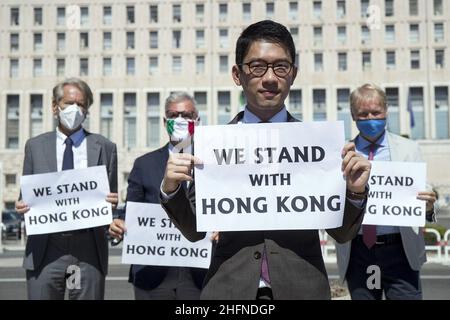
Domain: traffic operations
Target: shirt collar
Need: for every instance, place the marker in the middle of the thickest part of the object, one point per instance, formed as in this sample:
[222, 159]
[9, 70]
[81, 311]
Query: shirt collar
[250, 117]
[173, 149]
[363, 143]
[77, 137]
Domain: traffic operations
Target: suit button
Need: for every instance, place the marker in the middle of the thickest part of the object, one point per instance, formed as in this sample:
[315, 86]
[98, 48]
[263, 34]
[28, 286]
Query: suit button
[257, 255]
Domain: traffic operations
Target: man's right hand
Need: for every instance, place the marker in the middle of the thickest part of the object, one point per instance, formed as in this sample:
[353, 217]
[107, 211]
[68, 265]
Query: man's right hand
[117, 229]
[22, 207]
[178, 169]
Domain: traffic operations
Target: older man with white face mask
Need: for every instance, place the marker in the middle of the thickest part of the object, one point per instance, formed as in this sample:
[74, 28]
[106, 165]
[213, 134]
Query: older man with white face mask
[50, 258]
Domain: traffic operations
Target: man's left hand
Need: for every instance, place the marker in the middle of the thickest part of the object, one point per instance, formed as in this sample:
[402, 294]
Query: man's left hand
[356, 169]
[429, 197]
[113, 198]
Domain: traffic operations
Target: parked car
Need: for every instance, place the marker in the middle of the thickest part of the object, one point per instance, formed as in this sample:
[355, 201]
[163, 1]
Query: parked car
[11, 224]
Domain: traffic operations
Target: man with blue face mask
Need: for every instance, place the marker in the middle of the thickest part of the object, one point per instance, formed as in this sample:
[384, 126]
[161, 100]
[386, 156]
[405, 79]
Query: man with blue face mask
[399, 252]
[52, 258]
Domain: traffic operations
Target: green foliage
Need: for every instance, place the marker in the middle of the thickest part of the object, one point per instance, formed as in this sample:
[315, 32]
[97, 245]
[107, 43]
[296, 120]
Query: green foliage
[430, 238]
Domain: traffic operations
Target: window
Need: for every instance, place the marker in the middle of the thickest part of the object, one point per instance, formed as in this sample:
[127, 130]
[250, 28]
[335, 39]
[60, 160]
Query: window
[176, 39]
[153, 119]
[107, 67]
[318, 62]
[13, 68]
[439, 58]
[343, 111]
[201, 97]
[153, 65]
[60, 67]
[10, 180]
[293, 10]
[130, 40]
[294, 33]
[60, 16]
[107, 40]
[224, 102]
[416, 105]
[247, 11]
[317, 35]
[270, 10]
[441, 112]
[37, 13]
[414, 33]
[317, 9]
[341, 11]
[60, 41]
[390, 60]
[223, 64]
[366, 60]
[130, 15]
[107, 15]
[438, 32]
[129, 116]
[176, 13]
[153, 39]
[389, 33]
[415, 59]
[319, 104]
[12, 121]
[37, 67]
[342, 34]
[413, 7]
[437, 7]
[153, 13]
[364, 8]
[130, 66]
[84, 16]
[200, 64]
[223, 38]
[106, 115]
[199, 12]
[295, 103]
[365, 35]
[176, 64]
[200, 38]
[36, 107]
[342, 61]
[388, 8]
[14, 16]
[37, 41]
[84, 67]
[14, 42]
[84, 40]
[223, 12]
[392, 100]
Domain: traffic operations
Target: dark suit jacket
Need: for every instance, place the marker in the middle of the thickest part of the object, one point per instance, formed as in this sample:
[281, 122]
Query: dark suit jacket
[144, 185]
[296, 266]
[40, 157]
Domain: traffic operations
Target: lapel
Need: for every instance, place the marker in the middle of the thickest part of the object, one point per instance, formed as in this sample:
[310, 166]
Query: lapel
[394, 149]
[93, 150]
[49, 148]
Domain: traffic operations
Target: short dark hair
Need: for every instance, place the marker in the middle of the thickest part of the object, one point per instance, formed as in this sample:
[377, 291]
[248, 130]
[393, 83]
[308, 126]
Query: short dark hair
[267, 30]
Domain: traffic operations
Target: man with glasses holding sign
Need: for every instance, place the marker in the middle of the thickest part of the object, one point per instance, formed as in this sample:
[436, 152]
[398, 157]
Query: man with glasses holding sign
[281, 264]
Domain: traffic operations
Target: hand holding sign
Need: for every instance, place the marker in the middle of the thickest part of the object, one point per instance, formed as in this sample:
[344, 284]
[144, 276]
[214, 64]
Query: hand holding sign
[178, 169]
[429, 197]
[22, 207]
[117, 229]
[356, 169]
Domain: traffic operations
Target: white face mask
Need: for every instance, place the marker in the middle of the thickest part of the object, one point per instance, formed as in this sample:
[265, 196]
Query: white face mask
[180, 131]
[71, 117]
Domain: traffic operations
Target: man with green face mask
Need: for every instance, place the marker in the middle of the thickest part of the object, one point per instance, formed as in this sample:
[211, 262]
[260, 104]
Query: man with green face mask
[399, 252]
[160, 282]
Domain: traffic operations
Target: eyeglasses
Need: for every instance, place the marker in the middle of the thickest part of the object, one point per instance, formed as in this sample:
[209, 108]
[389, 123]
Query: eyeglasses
[259, 68]
[185, 115]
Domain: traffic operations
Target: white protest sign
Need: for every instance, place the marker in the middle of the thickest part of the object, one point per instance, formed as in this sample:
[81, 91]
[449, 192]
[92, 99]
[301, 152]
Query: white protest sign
[273, 176]
[393, 191]
[152, 239]
[66, 200]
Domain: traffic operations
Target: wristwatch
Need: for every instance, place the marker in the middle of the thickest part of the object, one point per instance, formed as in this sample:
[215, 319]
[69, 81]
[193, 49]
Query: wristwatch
[358, 195]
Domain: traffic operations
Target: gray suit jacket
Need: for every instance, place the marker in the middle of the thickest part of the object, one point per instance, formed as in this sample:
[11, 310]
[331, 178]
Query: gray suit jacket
[296, 266]
[40, 157]
[401, 149]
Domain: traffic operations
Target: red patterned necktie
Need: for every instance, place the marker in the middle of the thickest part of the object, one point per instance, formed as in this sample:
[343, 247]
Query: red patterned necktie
[370, 230]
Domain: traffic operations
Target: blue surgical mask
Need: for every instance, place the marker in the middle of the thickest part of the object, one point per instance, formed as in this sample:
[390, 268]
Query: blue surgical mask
[371, 128]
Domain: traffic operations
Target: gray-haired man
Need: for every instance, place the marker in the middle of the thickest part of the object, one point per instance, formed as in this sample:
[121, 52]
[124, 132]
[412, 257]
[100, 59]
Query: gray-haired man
[50, 259]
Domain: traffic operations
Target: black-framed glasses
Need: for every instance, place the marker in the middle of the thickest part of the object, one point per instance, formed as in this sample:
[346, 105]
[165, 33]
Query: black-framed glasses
[259, 68]
[185, 115]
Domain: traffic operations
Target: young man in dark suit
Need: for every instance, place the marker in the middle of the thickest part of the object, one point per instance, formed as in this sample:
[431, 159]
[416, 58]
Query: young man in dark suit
[144, 182]
[265, 69]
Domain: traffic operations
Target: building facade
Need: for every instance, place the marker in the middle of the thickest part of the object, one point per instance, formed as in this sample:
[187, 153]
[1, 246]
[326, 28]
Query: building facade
[134, 53]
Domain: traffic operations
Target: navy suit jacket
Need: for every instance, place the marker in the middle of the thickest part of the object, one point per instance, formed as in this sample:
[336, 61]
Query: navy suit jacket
[144, 185]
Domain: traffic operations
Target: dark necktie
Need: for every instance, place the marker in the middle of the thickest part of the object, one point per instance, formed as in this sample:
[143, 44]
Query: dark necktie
[370, 230]
[68, 155]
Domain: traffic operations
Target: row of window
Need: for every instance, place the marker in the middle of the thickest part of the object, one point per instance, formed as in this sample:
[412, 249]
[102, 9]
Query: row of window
[295, 104]
[224, 65]
[82, 13]
[223, 37]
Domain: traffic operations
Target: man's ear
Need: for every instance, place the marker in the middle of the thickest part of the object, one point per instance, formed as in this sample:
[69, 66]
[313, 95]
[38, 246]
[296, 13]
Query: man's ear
[54, 108]
[235, 72]
[294, 74]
